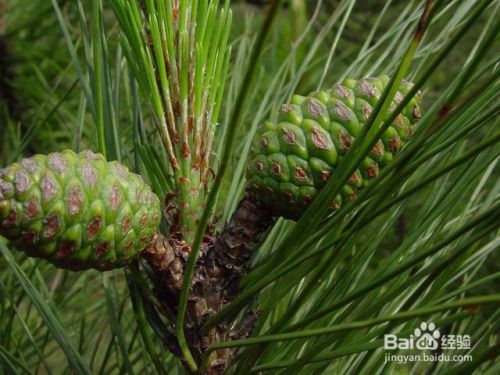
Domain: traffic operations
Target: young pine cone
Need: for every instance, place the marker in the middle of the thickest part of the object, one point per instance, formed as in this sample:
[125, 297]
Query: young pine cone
[77, 211]
[292, 159]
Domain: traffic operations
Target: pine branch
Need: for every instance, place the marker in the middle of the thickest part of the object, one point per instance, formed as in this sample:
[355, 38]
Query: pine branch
[224, 260]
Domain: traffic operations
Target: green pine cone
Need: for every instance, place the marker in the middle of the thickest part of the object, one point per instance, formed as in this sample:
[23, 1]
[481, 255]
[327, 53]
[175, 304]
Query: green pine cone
[77, 211]
[291, 160]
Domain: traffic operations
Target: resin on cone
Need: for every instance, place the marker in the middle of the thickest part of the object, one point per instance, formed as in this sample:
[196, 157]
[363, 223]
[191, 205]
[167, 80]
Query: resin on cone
[77, 211]
[291, 160]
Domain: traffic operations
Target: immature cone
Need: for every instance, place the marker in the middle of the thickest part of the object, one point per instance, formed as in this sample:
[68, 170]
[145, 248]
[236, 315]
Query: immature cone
[77, 211]
[293, 159]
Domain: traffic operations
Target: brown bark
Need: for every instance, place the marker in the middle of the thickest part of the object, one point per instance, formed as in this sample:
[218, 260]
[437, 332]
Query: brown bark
[224, 260]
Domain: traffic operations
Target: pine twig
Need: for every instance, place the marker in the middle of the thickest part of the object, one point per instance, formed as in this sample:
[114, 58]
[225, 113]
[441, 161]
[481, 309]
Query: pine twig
[224, 260]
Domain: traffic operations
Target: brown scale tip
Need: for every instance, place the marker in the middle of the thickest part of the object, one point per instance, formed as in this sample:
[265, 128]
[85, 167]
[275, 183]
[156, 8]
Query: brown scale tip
[11, 219]
[354, 179]
[87, 154]
[308, 199]
[319, 139]
[128, 246]
[126, 224]
[51, 225]
[264, 142]
[75, 200]
[399, 121]
[32, 208]
[48, 187]
[288, 196]
[22, 182]
[101, 249]
[315, 107]
[115, 197]
[367, 88]
[342, 111]
[367, 111]
[150, 197]
[57, 162]
[144, 221]
[417, 115]
[378, 149]
[325, 175]
[372, 171]
[334, 205]
[65, 248]
[289, 136]
[94, 227]
[395, 145]
[29, 164]
[5, 188]
[156, 218]
[276, 168]
[145, 239]
[89, 175]
[300, 174]
[345, 140]
[341, 91]
[398, 98]
[28, 238]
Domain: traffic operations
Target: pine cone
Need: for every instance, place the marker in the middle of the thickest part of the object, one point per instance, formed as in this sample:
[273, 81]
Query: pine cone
[292, 160]
[77, 210]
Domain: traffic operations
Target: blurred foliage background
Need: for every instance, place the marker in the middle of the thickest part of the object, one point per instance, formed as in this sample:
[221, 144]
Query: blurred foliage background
[46, 104]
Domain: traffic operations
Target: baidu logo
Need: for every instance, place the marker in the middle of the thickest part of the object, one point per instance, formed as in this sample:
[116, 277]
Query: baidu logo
[427, 337]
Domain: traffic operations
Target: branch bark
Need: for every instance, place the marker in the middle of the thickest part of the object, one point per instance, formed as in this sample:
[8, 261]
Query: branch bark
[224, 260]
